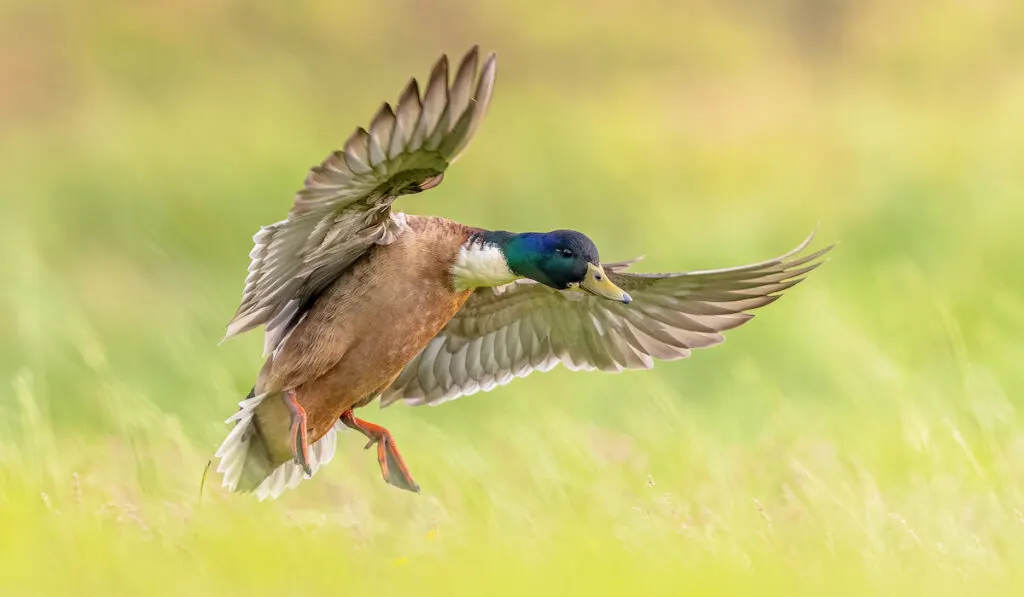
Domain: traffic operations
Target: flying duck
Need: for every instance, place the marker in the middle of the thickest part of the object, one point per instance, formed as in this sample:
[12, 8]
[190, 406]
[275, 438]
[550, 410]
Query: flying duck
[360, 302]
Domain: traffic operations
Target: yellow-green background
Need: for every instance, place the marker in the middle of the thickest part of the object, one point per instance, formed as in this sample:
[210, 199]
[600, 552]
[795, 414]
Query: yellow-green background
[860, 436]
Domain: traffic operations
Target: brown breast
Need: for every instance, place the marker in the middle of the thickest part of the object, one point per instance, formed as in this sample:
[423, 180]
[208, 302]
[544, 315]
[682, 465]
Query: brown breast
[371, 322]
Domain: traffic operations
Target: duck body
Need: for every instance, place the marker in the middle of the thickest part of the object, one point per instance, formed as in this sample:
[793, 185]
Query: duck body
[359, 333]
[370, 322]
[360, 303]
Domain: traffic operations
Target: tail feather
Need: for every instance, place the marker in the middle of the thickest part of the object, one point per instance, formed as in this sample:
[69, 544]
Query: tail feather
[246, 462]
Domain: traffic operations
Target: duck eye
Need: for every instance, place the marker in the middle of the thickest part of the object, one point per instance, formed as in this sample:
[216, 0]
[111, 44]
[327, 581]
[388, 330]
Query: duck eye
[564, 252]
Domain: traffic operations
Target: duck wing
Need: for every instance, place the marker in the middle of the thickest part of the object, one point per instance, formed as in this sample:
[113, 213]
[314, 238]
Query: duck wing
[510, 331]
[344, 207]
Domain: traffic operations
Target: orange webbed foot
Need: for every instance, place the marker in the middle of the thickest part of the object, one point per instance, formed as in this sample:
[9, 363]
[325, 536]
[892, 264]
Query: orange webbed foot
[298, 433]
[392, 466]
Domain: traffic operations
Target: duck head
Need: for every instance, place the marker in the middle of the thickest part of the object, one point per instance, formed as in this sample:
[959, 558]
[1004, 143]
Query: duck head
[561, 259]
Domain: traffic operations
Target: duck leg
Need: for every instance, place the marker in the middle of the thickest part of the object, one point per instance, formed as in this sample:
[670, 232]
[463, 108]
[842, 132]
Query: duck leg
[298, 433]
[391, 464]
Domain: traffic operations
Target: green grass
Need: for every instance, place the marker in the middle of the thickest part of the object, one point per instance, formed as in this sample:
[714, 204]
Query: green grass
[860, 436]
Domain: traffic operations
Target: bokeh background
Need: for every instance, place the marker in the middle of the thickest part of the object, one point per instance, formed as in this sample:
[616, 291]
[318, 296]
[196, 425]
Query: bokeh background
[861, 436]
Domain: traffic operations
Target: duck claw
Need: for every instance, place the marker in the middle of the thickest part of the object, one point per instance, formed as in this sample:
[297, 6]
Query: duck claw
[392, 466]
[298, 433]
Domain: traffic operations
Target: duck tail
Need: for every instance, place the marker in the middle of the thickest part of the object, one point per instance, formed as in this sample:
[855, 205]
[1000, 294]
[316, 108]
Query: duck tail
[247, 462]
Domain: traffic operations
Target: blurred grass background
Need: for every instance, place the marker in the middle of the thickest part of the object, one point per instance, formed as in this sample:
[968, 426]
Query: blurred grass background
[861, 436]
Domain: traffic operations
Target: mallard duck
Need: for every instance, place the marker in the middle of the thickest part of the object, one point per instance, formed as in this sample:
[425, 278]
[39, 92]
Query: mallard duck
[360, 302]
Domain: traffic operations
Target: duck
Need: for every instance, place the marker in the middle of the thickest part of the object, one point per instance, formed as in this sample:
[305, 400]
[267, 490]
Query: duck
[362, 303]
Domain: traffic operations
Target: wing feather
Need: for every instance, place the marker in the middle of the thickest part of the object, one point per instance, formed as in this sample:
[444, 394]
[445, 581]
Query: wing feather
[434, 100]
[406, 116]
[509, 331]
[344, 207]
[381, 128]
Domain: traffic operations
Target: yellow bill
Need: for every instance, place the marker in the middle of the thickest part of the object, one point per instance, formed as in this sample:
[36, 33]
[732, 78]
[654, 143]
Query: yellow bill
[597, 282]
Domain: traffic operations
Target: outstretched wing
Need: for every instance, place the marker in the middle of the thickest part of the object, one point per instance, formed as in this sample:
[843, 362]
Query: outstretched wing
[512, 330]
[345, 205]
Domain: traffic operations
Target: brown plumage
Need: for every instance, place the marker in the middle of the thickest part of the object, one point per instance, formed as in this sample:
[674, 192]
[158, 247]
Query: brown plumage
[360, 302]
[361, 331]
[371, 321]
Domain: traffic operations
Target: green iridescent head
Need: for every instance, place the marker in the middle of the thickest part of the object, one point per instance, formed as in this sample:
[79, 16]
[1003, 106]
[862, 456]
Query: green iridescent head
[561, 259]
